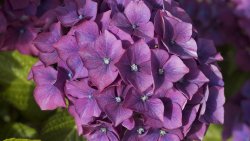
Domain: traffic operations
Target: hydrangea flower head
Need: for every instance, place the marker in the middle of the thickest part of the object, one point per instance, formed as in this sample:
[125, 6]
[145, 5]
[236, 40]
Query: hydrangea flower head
[129, 69]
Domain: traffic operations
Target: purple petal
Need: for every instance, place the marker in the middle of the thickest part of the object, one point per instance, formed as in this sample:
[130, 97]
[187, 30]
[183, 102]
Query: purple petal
[86, 32]
[66, 47]
[76, 66]
[87, 108]
[138, 55]
[117, 113]
[49, 97]
[67, 15]
[137, 12]
[44, 75]
[174, 69]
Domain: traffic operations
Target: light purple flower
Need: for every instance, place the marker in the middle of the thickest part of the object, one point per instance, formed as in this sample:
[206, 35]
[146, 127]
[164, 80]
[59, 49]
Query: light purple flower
[145, 103]
[112, 100]
[100, 59]
[48, 93]
[135, 66]
[176, 35]
[83, 98]
[75, 11]
[166, 69]
[135, 20]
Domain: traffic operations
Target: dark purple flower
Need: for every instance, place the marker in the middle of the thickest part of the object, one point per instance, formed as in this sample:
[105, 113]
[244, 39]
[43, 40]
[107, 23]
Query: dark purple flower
[100, 59]
[214, 111]
[174, 101]
[192, 81]
[135, 66]
[75, 11]
[166, 69]
[68, 51]
[145, 103]
[207, 52]
[44, 43]
[213, 73]
[86, 33]
[176, 35]
[82, 95]
[103, 132]
[135, 20]
[160, 134]
[137, 132]
[197, 131]
[111, 101]
[48, 93]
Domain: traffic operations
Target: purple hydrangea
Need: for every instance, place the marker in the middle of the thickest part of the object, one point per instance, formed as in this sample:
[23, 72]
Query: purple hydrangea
[128, 70]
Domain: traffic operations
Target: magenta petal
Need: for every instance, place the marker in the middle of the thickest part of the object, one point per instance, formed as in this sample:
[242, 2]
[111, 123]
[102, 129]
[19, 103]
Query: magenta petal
[49, 58]
[172, 116]
[214, 110]
[107, 48]
[137, 12]
[121, 21]
[79, 89]
[44, 75]
[175, 69]
[87, 108]
[169, 137]
[182, 32]
[86, 32]
[138, 54]
[145, 30]
[66, 46]
[76, 65]
[129, 123]
[117, 113]
[89, 10]
[189, 48]
[197, 131]
[49, 97]
[73, 113]
[67, 15]
[45, 40]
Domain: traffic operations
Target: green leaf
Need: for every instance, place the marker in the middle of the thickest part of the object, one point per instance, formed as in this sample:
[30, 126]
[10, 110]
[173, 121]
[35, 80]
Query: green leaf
[14, 86]
[17, 130]
[213, 133]
[61, 127]
[13, 139]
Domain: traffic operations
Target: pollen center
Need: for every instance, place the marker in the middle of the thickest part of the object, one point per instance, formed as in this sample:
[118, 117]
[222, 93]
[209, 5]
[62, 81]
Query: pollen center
[144, 98]
[140, 131]
[134, 26]
[103, 130]
[162, 132]
[134, 67]
[80, 17]
[118, 99]
[106, 60]
[161, 71]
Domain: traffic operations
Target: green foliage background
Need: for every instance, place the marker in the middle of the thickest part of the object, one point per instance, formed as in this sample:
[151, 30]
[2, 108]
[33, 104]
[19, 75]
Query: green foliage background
[20, 117]
[22, 120]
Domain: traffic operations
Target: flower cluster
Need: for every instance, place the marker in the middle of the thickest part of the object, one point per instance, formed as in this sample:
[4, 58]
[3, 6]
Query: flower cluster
[237, 112]
[224, 21]
[128, 70]
[21, 21]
